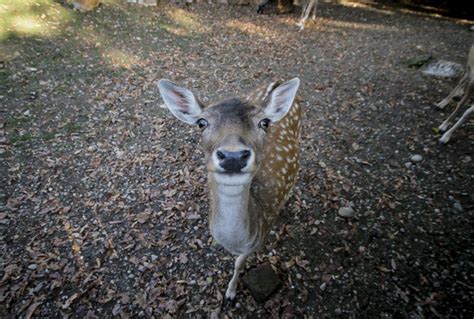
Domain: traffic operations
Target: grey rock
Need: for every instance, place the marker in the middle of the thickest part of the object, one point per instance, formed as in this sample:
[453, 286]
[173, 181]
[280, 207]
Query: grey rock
[416, 158]
[262, 282]
[457, 206]
[346, 212]
[444, 69]
[408, 164]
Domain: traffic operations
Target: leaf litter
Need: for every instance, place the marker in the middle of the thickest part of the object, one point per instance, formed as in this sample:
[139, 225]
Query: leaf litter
[104, 202]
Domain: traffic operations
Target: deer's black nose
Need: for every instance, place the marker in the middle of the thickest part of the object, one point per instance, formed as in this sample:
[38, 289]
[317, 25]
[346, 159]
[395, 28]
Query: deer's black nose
[233, 162]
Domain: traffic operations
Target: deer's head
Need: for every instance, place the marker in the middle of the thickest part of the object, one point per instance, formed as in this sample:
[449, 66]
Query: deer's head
[234, 131]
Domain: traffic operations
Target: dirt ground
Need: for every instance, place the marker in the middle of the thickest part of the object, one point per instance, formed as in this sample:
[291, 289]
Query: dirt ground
[103, 193]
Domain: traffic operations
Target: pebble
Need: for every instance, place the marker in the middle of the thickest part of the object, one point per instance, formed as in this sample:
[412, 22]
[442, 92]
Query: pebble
[346, 212]
[408, 164]
[33, 266]
[154, 257]
[457, 206]
[416, 158]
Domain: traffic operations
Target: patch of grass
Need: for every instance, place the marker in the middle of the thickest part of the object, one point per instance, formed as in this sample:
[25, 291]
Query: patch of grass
[4, 74]
[46, 136]
[17, 139]
[16, 122]
[72, 127]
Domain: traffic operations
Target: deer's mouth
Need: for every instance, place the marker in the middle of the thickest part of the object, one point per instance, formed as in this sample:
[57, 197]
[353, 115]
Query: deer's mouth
[234, 179]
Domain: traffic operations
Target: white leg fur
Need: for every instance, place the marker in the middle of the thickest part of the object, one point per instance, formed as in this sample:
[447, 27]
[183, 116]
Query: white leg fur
[305, 12]
[446, 136]
[460, 85]
[444, 126]
[232, 287]
[314, 9]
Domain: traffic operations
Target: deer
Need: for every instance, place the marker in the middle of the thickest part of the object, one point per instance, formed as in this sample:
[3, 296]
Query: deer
[306, 7]
[251, 152]
[465, 84]
[85, 5]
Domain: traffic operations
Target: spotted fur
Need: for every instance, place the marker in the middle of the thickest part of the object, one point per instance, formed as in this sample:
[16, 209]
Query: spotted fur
[244, 206]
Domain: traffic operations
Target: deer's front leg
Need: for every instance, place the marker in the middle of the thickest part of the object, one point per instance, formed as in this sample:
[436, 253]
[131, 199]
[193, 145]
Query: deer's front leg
[232, 287]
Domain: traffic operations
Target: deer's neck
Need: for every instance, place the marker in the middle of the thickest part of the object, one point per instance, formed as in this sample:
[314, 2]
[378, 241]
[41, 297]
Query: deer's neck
[231, 222]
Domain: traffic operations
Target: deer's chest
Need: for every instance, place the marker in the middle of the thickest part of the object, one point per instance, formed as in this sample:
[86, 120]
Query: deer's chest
[230, 225]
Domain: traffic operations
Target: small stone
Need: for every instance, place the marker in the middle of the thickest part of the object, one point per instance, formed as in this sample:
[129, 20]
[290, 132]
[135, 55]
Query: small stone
[262, 282]
[467, 159]
[457, 206]
[408, 164]
[346, 212]
[33, 266]
[416, 158]
[92, 148]
[154, 257]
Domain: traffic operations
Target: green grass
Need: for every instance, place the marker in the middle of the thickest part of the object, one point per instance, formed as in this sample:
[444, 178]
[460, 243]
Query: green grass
[16, 122]
[17, 139]
[46, 136]
[72, 127]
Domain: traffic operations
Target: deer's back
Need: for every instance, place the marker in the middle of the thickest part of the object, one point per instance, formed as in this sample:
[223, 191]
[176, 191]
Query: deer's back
[278, 171]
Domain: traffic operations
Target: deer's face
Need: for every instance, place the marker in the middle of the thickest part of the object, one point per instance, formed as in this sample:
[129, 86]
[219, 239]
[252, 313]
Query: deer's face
[234, 130]
[233, 136]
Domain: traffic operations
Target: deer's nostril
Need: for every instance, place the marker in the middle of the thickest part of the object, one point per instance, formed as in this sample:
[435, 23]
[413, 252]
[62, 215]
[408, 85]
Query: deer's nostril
[220, 155]
[245, 154]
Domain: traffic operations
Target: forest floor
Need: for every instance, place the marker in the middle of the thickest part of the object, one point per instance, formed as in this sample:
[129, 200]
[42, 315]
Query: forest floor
[103, 201]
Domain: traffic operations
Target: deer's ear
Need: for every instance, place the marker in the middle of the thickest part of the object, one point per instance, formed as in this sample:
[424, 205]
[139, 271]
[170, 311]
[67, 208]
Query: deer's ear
[180, 101]
[280, 100]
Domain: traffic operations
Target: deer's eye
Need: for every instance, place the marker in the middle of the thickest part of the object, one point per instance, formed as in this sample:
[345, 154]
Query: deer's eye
[263, 124]
[202, 123]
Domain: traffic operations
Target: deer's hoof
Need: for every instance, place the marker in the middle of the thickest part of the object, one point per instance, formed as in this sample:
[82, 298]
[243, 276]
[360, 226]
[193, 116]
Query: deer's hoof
[230, 294]
[443, 127]
[444, 139]
[260, 10]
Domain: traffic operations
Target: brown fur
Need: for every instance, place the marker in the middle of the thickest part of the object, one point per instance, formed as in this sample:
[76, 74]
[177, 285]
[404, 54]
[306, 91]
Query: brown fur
[85, 5]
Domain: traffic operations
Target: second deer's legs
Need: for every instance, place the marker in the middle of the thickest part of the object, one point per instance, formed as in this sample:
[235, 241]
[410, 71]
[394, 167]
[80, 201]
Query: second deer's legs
[305, 13]
[443, 127]
[446, 136]
[446, 100]
[315, 8]
[232, 287]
